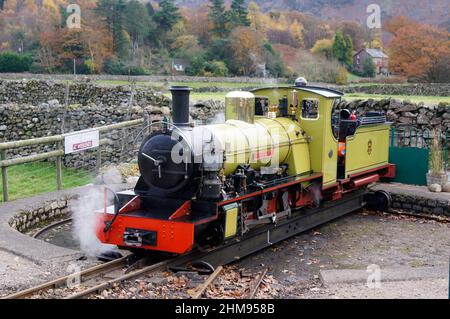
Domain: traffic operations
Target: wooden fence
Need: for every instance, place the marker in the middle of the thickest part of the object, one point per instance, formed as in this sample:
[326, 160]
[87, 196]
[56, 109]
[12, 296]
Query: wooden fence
[57, 154]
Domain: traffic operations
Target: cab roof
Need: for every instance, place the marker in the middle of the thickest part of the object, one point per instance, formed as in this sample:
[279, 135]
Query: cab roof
[325, 92]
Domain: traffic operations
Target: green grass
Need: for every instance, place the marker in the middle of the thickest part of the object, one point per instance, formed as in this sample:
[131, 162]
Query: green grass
[429, 100]
[37, 178]
[197, 85]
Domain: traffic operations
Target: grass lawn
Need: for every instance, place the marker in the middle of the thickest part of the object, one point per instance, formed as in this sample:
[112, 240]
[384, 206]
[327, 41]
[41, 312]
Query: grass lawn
[37, 178]
[429, 100]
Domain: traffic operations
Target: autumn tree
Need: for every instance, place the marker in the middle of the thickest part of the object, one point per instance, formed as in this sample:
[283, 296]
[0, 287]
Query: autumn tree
[397, 23]
[323, 47]
[356, 31]
[198, 23]
[256, 17]
[417, 50]
[246, 46]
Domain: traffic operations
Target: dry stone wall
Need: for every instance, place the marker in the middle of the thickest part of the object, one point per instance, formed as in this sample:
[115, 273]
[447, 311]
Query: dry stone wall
[404, 113]
[30, 109]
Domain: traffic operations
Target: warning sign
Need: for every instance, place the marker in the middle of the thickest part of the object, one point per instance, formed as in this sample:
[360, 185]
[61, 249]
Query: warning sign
[81, 141]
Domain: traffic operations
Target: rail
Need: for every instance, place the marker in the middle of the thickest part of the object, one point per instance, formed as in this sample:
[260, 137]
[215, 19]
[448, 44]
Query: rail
[57, 154]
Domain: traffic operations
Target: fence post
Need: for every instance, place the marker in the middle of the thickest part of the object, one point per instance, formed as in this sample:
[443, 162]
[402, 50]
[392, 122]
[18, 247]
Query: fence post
[59, 169]
[98, 165]
[4, 177]
[147, 122]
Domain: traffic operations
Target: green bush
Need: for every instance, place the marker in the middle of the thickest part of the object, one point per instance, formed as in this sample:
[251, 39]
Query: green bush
[137, 70]
[13, 62]
[196, 66]
[216, 68]
[114, 67]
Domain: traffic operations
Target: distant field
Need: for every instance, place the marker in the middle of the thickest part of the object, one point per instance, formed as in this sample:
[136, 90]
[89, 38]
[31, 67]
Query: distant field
[194, 85]
[37, 178]
[431, 100]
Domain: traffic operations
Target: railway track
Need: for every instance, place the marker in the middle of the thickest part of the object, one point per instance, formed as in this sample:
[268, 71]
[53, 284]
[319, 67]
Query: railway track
[96, 279]
[89, 281]
[51, 226]
[252, 290]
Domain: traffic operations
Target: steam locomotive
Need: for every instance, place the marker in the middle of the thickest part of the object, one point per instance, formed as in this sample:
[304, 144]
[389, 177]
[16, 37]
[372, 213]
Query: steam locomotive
[281, 153]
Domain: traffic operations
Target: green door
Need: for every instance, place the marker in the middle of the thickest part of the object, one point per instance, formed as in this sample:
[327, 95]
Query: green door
[411, 164]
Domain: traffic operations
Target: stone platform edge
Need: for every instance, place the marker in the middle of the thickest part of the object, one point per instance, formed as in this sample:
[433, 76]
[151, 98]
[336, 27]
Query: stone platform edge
[19, 215]
[417, 199]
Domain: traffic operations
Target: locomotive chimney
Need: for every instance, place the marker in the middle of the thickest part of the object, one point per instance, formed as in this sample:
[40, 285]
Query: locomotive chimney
[180, 105]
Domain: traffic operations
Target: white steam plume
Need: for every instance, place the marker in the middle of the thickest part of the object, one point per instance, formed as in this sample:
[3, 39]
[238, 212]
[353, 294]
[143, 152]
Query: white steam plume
[219, 118]
[85, 222]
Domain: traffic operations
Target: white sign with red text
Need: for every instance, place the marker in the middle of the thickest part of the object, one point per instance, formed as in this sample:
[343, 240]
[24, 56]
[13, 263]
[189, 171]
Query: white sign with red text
[81, 141]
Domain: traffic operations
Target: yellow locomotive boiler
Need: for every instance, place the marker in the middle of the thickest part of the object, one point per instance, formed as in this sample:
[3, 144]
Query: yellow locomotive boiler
[281, 163]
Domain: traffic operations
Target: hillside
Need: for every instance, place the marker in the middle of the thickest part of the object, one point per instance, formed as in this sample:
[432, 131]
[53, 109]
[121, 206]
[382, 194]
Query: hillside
[436, 12]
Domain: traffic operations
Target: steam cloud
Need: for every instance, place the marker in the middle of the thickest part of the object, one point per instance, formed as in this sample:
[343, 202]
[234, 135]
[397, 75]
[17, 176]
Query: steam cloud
[85, 222]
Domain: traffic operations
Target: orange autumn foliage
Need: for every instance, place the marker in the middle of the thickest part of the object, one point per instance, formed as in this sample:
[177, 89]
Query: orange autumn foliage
[416, 48]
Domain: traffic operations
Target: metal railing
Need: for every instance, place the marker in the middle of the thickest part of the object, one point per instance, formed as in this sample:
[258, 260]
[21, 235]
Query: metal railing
[409, 136]
[56, 154]
[414, 137]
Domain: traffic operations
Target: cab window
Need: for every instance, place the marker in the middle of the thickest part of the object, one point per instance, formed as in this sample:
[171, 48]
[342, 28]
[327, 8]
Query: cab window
[310, 109]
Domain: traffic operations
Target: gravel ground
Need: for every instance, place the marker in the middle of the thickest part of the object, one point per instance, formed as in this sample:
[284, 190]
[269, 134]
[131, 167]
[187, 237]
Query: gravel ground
[355, 242]
[351, 242]
[18, 273]
[420, 289]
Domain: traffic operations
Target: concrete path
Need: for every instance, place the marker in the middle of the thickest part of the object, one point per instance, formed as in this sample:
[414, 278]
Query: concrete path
[23, 245]
[340, 276]
[25, 261]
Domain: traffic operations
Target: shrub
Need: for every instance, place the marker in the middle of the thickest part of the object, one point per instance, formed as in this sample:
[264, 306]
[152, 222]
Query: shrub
[90, 66]
[13, 62]
[216, 68]
[137, 70]
[37, 68]
[437, 162]
[196, 66]
[114, 67]
[317, 68]
[341, 76]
